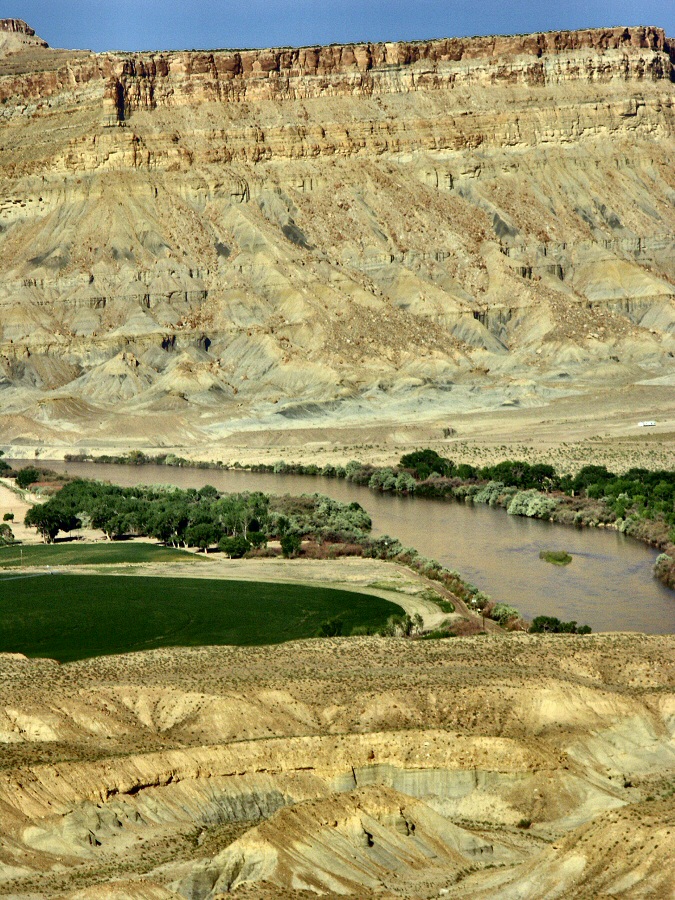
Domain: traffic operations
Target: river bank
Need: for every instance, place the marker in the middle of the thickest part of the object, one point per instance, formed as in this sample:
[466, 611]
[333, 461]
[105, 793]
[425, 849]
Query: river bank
[562, 500]
[500, 553]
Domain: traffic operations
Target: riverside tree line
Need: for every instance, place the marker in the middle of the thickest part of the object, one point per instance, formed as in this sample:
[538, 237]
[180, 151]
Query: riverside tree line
[197, 518]
[242, 523]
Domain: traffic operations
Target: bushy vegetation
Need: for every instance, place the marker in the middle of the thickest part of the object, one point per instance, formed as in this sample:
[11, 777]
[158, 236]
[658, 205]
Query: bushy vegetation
[556, 557]
[27, 476]
[551, 625]
[636, 494]
[664, 569]
[422, 464]
[532, 504]
[492, 493]
[402, 626]
[504, 613]
[197, 518]
[639, 502]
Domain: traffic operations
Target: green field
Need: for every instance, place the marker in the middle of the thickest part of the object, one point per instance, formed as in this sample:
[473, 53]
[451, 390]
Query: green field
[70, 617]
[76, 553]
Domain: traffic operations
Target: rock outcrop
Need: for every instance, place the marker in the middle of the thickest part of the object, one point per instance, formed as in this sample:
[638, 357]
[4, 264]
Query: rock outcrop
[505, 766]
[16, 35]
[199, 242]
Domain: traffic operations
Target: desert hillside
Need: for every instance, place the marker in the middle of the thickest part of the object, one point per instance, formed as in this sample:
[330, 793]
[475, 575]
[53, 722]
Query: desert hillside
[195, 244]
[505, 765]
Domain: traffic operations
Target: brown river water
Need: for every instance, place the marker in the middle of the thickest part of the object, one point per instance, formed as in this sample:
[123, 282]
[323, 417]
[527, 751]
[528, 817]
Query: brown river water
[609, 584]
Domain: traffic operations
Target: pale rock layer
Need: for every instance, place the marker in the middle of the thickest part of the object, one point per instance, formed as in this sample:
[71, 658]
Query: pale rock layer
[198, 243]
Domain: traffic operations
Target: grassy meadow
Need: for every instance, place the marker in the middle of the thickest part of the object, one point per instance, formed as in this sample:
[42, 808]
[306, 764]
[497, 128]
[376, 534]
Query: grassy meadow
[71, 617]
[77, 553]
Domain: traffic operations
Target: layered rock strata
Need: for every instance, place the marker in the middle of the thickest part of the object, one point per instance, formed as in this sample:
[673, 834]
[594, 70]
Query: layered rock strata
[16, 35]
[200, 242]
[493, 766]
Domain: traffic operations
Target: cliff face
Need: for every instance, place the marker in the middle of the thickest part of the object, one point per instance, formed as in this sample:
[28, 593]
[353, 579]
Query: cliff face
[194, 237]
[17, 26]
[145, 82]
[16, 35]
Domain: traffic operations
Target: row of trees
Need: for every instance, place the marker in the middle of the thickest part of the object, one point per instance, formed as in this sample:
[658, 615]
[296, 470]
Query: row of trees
[638, 492]
[196, 518]
[647, 492]
[426, 473]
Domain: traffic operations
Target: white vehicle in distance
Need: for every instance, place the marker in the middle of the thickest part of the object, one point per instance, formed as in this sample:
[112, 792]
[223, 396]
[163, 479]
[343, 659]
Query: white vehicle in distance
[648, 424]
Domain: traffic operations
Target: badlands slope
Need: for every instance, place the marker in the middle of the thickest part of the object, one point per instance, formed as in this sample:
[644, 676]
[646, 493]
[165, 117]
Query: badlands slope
[343, 767]
[196, 245]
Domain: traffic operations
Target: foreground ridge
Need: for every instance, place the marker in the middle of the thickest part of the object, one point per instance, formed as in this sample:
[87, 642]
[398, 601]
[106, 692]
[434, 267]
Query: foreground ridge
[344, 766]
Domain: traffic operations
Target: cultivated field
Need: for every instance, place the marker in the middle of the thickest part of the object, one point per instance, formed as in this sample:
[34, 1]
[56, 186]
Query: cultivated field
[77, 553]
[69, 617]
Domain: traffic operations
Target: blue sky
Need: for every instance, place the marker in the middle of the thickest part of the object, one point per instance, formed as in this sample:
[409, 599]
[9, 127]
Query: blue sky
[185, 24]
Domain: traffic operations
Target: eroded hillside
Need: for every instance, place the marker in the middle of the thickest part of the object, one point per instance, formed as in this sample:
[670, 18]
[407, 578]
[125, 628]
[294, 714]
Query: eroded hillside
[197, 243]
[510, 766]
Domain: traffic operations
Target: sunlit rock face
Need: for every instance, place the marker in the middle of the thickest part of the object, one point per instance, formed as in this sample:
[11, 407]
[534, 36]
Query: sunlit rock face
[193, 243]
[494, 766]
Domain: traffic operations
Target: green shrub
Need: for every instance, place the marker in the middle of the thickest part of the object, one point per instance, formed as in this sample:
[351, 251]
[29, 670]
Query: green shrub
[551, 625]
[502, 612]
[382, 480]
[235, 547]
[352, 468]
[556, 557]
[531, 504]
[664, 569]
[490, 493]
[330, 628]
[405, 484]
[424, 463]
[28, 476]
[290, 545]
[438, 634]
[363, 630]
[398, 625]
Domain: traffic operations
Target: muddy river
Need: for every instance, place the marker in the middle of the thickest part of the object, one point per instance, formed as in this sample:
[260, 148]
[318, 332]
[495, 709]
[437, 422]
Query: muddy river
[609, 584]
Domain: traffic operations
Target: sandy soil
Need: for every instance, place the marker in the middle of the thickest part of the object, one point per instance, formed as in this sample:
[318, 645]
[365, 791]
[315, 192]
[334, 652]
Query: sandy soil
[598, 426]
[120, 767]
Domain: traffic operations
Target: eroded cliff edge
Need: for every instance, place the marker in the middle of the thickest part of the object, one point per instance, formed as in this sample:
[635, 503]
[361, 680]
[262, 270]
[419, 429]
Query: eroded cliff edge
[199, 242]
[491, 766]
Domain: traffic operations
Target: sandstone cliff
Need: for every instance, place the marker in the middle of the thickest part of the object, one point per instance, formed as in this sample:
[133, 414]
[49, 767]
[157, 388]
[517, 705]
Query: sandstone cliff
[16, 35]
[199, 242]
